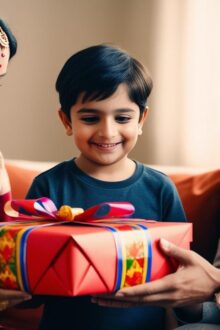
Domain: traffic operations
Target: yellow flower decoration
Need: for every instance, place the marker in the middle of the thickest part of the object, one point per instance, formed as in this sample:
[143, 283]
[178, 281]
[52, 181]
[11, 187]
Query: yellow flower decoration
[7, 274]
[135, 268]
[68, 213]
[6, 241]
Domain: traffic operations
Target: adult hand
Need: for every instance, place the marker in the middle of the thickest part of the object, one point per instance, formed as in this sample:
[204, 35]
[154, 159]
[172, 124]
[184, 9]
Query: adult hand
[194, 281]
[9, 298]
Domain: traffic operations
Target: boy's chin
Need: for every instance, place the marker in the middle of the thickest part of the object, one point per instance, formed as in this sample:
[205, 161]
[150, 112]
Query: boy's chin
[109, 162]
[105, 161]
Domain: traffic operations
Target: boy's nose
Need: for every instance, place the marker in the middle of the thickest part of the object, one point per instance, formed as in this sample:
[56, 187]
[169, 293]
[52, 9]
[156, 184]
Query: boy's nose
[107, 129]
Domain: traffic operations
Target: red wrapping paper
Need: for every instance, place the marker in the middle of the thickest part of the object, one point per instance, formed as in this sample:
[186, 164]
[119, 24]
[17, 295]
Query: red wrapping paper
[71, 260]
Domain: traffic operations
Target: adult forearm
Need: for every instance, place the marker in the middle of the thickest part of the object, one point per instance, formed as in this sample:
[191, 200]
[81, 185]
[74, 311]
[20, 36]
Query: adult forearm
[194, 313]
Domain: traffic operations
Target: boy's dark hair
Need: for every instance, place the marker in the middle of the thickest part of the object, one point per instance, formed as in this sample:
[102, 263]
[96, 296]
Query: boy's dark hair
[11, 38]
[97, 72]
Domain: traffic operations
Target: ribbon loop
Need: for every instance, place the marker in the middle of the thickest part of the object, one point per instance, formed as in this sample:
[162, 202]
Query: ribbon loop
[106, 211]
[44, 208]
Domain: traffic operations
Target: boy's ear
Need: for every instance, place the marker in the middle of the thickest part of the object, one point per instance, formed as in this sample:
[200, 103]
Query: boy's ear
[66, 122]
[142, 120]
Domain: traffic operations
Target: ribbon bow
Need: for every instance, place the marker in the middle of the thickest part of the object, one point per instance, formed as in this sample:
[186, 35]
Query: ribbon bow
[45, 209]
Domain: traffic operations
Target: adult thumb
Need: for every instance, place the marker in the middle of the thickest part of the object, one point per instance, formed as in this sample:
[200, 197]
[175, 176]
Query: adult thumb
[174, 251]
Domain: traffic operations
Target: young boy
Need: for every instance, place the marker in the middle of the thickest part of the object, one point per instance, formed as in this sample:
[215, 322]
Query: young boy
[103, 95]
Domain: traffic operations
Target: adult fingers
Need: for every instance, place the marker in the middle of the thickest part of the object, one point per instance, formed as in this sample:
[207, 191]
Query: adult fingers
[13, 294]
[4, 304]
[164, 284]
[182, 255]
[112, 303]
[164, 300]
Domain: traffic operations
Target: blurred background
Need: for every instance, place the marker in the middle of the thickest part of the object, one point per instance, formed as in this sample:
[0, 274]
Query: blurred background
[178, 40]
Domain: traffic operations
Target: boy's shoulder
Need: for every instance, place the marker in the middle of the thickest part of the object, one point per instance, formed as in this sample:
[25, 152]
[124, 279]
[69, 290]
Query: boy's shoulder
[155, 179]
[154, 173]
[55, 170]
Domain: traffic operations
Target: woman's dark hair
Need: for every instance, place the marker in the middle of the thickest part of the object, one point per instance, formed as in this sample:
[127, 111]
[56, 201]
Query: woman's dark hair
[11, 38]
[97, 72]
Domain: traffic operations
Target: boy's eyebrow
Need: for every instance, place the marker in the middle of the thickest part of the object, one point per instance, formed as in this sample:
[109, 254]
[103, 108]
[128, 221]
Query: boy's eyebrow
[89, 110]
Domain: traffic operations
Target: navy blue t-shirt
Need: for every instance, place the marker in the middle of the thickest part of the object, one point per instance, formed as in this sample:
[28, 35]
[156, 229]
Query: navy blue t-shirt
[154, 197]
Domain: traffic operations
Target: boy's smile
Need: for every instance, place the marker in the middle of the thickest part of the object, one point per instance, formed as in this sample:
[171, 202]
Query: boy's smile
[105, 131]
[106, 147]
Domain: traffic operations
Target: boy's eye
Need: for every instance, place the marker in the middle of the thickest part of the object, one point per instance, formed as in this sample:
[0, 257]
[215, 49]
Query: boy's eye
[122, 119]
[90, 119]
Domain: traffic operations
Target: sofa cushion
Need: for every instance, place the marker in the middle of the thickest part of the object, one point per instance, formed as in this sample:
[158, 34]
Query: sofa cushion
[21, 179]
[200, 195]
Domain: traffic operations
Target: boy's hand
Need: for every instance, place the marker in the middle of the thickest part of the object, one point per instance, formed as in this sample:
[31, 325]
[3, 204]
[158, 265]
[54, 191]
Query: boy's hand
[9, 298]
[195, 281]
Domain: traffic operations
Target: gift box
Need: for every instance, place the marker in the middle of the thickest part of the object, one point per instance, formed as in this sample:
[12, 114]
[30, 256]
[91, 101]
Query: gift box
[82, 258]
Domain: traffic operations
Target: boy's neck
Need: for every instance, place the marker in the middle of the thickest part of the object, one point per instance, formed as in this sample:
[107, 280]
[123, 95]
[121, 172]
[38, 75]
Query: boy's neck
[119, 171]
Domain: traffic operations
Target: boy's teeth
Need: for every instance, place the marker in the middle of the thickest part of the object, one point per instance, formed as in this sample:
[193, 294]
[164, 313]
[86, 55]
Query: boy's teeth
[106, 145]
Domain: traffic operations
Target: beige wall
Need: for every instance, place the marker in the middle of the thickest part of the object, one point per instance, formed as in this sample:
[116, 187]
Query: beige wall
[48, 32]
[176, 39]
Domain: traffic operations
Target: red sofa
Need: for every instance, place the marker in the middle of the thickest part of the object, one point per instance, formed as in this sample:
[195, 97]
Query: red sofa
[200, 196]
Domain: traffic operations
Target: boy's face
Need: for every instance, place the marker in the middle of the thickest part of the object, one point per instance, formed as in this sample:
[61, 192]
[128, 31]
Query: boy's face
[105, 131]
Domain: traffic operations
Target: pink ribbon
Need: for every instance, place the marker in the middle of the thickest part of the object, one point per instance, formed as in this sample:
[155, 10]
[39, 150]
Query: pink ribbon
[45, 209]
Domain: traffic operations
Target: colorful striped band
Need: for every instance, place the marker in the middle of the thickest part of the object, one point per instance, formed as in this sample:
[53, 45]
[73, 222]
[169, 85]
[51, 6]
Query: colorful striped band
[133, 247]
[134, 253]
